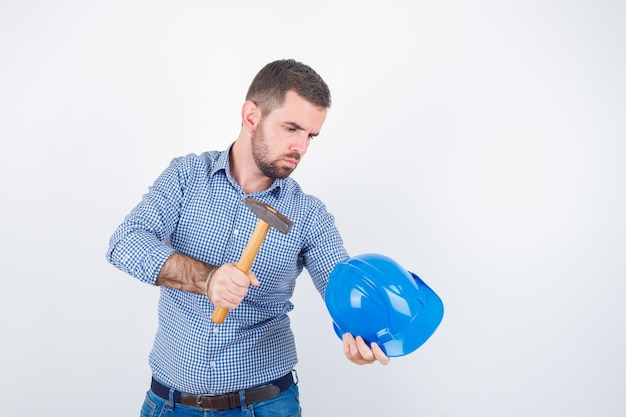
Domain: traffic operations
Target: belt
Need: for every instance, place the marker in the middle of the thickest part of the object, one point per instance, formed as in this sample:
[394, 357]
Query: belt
[225, 401]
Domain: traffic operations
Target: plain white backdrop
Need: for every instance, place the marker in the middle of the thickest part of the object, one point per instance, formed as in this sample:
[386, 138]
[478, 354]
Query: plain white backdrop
[480, 144]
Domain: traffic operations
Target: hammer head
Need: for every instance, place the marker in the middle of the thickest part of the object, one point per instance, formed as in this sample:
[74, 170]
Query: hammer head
[269, 215]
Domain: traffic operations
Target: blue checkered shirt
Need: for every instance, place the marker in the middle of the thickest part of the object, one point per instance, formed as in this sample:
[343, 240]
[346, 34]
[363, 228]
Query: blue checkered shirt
[196, 208]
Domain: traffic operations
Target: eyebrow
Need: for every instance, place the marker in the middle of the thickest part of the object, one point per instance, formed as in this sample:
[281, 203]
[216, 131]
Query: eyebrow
[297, 126]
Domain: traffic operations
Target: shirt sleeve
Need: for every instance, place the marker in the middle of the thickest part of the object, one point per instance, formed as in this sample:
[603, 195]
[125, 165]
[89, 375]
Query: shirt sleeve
[323, 247]
[139, 245]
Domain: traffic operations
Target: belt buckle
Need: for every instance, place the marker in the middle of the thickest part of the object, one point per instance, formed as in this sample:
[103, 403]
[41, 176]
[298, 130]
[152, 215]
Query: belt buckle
[199, 401]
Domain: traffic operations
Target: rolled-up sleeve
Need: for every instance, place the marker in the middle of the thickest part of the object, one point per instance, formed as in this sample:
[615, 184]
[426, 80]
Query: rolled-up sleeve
[139, 245]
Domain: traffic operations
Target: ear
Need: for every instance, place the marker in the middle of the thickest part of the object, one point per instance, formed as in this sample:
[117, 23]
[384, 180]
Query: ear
[250, 116]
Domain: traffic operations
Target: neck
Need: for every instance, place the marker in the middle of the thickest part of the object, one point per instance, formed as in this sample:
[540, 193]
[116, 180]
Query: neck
[243, 168]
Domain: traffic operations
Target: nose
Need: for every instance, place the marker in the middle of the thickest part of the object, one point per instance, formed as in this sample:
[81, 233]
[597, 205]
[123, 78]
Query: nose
[300, 143]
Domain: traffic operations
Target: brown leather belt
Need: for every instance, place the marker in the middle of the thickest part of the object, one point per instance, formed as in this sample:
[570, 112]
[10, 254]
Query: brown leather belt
[225, 401]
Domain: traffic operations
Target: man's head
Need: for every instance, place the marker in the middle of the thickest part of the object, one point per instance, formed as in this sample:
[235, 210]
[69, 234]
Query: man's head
[281, 138]
[271, 84]
[285, 108]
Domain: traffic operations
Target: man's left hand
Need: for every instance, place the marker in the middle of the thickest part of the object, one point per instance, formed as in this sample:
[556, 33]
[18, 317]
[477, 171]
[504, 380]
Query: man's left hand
[357, 351]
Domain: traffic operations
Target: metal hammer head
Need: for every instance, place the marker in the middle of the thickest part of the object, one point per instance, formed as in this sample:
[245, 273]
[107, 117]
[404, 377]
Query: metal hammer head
[269, 215]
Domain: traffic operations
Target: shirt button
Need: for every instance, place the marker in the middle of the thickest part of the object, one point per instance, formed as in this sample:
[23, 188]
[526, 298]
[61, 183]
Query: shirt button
[216, 330]
[235, 232]
[213, 364]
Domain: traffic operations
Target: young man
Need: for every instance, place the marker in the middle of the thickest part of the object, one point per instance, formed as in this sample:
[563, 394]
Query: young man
[190, 229]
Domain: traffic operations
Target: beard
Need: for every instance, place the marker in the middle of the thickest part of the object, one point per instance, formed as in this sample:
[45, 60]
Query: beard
[271, 168]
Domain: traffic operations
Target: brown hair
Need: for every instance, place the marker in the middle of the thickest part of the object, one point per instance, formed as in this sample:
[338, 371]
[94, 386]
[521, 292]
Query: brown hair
[273, 81]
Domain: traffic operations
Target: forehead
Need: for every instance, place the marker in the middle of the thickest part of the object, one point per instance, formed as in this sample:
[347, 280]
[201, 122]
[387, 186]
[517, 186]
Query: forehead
[299, 110]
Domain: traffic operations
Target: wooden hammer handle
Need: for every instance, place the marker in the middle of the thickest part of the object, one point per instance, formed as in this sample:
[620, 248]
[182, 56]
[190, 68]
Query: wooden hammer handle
[245, 262]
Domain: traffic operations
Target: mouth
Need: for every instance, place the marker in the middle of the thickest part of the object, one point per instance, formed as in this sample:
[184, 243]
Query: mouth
[292, 160]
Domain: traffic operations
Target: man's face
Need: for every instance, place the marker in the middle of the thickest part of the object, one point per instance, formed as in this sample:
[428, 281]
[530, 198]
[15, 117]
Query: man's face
[283, 136]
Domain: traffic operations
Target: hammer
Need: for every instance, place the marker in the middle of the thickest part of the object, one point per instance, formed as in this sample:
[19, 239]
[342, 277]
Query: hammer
[268, 216]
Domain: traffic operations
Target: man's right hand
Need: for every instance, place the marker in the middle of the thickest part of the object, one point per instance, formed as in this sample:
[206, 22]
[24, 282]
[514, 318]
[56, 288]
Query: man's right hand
[228, 286]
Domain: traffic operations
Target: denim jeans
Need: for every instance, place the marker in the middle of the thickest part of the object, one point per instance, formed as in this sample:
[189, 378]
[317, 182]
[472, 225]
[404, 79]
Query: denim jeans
[287, 404]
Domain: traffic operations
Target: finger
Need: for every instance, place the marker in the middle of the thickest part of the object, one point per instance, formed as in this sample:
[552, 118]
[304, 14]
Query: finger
[364, 350]
[226, 299]
[240, 279]
[346, 343]
[227, 295]
[379, 354]
[224, 302]
[349, 347]
[352, 352]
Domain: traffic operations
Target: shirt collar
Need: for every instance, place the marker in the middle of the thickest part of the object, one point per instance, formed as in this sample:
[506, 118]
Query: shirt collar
[223, 163]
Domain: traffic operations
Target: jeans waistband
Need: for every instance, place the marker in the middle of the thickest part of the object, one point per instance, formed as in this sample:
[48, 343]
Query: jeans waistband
[225, 401]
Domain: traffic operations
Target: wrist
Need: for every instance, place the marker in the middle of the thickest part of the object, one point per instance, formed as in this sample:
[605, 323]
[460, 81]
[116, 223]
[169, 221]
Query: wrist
[208, 278]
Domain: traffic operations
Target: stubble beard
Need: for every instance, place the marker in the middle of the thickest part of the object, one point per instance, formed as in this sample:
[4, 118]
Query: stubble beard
[261, 154]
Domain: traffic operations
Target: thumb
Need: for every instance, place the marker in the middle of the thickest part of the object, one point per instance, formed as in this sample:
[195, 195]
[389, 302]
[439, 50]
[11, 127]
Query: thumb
[253, 279]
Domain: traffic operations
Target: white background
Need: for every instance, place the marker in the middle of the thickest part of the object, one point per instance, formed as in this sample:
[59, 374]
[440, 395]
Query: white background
[480, 144]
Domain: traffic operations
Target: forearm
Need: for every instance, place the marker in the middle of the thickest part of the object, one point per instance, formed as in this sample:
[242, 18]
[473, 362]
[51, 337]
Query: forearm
[184, 273]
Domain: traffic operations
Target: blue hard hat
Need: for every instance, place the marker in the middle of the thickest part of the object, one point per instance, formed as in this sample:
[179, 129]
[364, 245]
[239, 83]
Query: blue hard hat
[372, 296]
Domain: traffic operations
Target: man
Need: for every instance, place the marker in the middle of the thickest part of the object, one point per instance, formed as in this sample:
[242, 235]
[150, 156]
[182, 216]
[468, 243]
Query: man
[188, 232]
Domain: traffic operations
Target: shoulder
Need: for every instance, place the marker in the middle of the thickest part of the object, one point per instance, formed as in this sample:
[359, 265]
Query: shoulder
[194, 161]
[291, 190]
[194, 164]
[305, 205]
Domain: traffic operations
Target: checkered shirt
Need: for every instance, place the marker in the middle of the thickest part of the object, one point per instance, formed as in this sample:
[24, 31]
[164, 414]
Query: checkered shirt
[196, 208]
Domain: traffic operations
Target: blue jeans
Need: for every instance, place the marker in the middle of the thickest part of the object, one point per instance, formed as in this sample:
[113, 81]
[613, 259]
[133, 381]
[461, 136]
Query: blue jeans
[287, 404]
